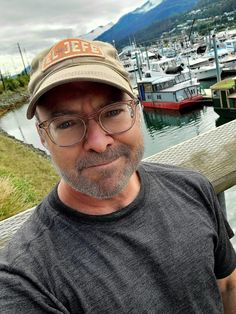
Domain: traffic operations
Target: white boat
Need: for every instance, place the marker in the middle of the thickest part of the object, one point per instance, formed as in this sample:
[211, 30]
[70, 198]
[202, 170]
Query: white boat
[231, 45]
[196, 62]
[206, 72]
[162, 67]
[136, 58]
[229, 64]
[130, 65]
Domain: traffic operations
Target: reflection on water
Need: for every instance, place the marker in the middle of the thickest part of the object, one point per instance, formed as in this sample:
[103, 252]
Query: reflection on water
[16, 124]
[163, 129]
[159, 119]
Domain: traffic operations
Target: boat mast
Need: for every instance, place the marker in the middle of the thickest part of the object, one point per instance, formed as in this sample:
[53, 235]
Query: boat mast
[216, 59]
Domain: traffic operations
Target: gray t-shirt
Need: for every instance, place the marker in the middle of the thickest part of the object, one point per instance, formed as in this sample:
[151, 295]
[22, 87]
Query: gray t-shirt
[160, 254]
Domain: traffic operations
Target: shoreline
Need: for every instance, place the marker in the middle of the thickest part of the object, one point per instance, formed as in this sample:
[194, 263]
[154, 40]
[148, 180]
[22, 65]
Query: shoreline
[30, 146]
[26, 172]
[26, 175]
[11, 100]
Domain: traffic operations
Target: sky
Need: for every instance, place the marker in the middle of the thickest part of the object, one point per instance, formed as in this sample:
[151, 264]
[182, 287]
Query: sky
[38, 24]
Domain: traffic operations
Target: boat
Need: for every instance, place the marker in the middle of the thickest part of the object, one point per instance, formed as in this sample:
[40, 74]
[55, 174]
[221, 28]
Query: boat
[130, 65]
[166, 91]
[136, 59]
[224, 98]
[231, 45]
[195, 62]
[163, 66]
[207, 72]
[203, 65]
[229, 65]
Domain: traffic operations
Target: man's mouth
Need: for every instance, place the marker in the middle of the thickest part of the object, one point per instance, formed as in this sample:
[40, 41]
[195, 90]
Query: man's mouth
[102, 164]
[97, 160]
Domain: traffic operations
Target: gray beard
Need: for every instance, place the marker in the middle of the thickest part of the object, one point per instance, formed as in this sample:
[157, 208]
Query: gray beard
[84, 185]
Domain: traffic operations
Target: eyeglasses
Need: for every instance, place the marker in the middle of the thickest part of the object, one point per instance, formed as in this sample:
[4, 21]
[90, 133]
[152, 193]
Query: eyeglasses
[70, 129]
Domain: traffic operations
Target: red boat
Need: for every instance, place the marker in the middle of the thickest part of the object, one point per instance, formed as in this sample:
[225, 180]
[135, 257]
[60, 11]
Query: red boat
[174, 92]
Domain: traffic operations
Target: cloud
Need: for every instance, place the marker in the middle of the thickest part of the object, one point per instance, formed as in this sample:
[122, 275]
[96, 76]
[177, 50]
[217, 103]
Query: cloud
[37, 24]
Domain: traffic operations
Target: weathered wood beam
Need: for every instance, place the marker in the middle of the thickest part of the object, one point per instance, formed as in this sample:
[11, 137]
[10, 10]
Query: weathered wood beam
[212, 153]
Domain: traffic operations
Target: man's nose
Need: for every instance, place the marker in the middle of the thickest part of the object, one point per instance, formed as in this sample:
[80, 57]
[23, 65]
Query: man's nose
[96, 138]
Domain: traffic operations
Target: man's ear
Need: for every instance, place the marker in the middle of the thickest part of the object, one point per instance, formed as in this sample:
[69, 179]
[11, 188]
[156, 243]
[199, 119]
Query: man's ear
[41, 134]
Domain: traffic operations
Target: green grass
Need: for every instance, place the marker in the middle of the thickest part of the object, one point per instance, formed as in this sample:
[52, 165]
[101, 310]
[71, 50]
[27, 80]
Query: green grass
[25, 176]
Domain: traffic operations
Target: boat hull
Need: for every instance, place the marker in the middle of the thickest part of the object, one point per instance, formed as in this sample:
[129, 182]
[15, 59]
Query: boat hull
[207, 73]
[183, 104]
[228, 113]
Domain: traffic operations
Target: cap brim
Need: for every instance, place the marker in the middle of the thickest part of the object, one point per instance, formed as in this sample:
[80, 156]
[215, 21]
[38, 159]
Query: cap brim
[89, 72]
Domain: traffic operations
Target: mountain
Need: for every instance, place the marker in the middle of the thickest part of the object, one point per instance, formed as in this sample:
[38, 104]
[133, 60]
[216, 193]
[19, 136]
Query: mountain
[96, 32]
[144, 16]
[204, 17]
[147, 6]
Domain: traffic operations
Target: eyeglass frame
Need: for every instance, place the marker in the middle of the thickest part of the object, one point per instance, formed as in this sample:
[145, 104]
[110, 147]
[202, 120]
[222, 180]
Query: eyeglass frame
[44, 125]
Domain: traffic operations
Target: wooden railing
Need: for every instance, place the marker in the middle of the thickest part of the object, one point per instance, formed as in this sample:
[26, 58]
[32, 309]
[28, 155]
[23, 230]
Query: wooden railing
[212, 153]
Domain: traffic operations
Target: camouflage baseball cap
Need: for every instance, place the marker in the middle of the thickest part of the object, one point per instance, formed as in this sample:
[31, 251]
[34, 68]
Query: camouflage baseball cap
[75, 59]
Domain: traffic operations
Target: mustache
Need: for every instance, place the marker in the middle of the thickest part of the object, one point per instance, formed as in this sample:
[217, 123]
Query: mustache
[93, 158]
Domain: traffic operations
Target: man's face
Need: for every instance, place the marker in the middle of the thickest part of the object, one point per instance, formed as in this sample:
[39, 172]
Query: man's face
[101, 165]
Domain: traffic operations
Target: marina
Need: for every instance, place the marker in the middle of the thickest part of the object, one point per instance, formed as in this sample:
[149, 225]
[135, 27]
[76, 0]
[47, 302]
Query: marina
[174, 82]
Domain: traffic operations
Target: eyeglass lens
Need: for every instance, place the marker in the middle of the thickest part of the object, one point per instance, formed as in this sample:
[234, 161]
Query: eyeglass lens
[68, 130]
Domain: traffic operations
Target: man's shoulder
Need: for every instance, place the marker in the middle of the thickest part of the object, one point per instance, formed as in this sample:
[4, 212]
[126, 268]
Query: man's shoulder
[173, 173]
[160, 168]
[27, 240]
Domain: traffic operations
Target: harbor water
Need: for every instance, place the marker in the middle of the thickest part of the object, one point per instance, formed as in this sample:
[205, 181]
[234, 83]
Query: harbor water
[162, 129]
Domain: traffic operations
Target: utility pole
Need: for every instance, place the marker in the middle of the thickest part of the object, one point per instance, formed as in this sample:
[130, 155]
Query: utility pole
[22, 59]
[27, 60]
[2, 79]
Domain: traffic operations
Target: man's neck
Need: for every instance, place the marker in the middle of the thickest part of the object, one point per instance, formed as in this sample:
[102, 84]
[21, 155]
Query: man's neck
[96, 206]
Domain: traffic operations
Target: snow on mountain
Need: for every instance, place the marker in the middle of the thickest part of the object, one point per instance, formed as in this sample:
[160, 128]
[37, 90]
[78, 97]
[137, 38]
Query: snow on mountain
[96, 32]
[151, 11]
[147, 6]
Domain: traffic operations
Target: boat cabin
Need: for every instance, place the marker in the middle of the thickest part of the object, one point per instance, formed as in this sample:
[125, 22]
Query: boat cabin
[231, 45]
[168, 91]
[224, 97]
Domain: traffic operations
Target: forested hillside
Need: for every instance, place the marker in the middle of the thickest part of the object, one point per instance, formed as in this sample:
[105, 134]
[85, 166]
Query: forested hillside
[208, 15]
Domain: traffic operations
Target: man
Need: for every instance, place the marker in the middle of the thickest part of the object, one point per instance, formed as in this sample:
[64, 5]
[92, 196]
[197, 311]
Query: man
[116, 235]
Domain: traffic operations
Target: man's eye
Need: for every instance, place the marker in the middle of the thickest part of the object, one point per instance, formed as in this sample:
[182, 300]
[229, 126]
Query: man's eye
[65, 125]
[113, 113]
